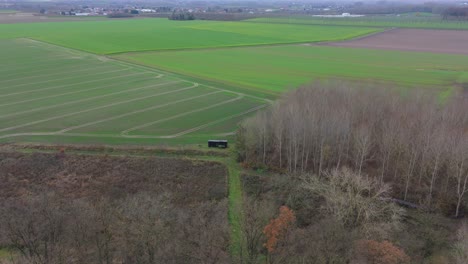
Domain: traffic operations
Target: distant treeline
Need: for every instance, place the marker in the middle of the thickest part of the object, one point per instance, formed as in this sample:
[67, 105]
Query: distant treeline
[120, 15]
[182, 16]
[456, 12]
[209, 16]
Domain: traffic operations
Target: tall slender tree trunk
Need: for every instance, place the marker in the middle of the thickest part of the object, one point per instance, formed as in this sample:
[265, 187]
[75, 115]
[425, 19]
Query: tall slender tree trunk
[433, 176]
[409, 174]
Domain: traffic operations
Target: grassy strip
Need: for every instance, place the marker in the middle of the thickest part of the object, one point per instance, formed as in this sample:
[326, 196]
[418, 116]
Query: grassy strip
[235, 204]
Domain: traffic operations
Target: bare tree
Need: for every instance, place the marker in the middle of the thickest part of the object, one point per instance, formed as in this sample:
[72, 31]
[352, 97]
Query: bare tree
[256, 215]
[354, 200]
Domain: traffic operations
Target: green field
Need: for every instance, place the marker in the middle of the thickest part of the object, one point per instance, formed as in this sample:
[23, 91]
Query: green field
[114, 36]
[277, 68]
[53, 93]
[197, 81]
[404, 21]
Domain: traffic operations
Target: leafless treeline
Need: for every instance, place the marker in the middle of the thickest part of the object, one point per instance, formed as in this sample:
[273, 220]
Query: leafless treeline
[138, 229]
[411, 138]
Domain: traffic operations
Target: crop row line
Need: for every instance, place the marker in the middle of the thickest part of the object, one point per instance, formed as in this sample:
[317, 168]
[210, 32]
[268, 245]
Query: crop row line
[127, 131]
[67, 78]
[185, 132]
[80, 91]
[93, 109]
[86, 99]
[68, 85]
[8, 67]
[74, 70]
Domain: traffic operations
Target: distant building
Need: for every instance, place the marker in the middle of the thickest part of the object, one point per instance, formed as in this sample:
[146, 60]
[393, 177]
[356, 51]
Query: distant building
[146, 10]
[342, 15]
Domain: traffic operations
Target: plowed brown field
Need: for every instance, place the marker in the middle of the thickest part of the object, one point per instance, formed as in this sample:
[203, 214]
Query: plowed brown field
[424, 40]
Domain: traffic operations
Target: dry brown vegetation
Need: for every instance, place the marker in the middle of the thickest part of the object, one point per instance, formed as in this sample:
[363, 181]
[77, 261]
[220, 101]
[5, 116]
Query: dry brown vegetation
[61, 208]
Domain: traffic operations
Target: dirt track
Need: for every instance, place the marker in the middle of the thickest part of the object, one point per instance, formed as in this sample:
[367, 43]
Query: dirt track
[438, 41]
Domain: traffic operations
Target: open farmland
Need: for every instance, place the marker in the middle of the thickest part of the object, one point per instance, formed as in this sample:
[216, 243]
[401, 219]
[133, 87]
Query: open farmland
[55, 94]
[51, 93]
[114, 36]
[281, 67]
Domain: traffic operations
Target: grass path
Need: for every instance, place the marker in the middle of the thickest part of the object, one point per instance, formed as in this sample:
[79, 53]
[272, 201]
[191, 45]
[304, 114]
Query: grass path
[235, 203]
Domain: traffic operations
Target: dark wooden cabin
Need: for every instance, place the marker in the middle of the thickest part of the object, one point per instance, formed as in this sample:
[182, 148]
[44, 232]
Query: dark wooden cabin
[217, 143]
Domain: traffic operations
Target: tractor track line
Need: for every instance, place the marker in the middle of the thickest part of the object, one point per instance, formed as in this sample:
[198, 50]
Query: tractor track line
[125, 132]
[92, 109]
[68, 85]
[73, 70]
[86, 99]
[74, 92]
[134, 112]
[215, 122]
[41, 70]
[36, 62]
[63, 79]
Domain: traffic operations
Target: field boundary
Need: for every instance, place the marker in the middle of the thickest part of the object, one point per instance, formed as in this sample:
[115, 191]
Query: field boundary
[324, 43]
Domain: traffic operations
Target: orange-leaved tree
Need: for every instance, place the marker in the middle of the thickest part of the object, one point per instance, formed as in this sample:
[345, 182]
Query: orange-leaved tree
[277, 228]
[384, 252]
